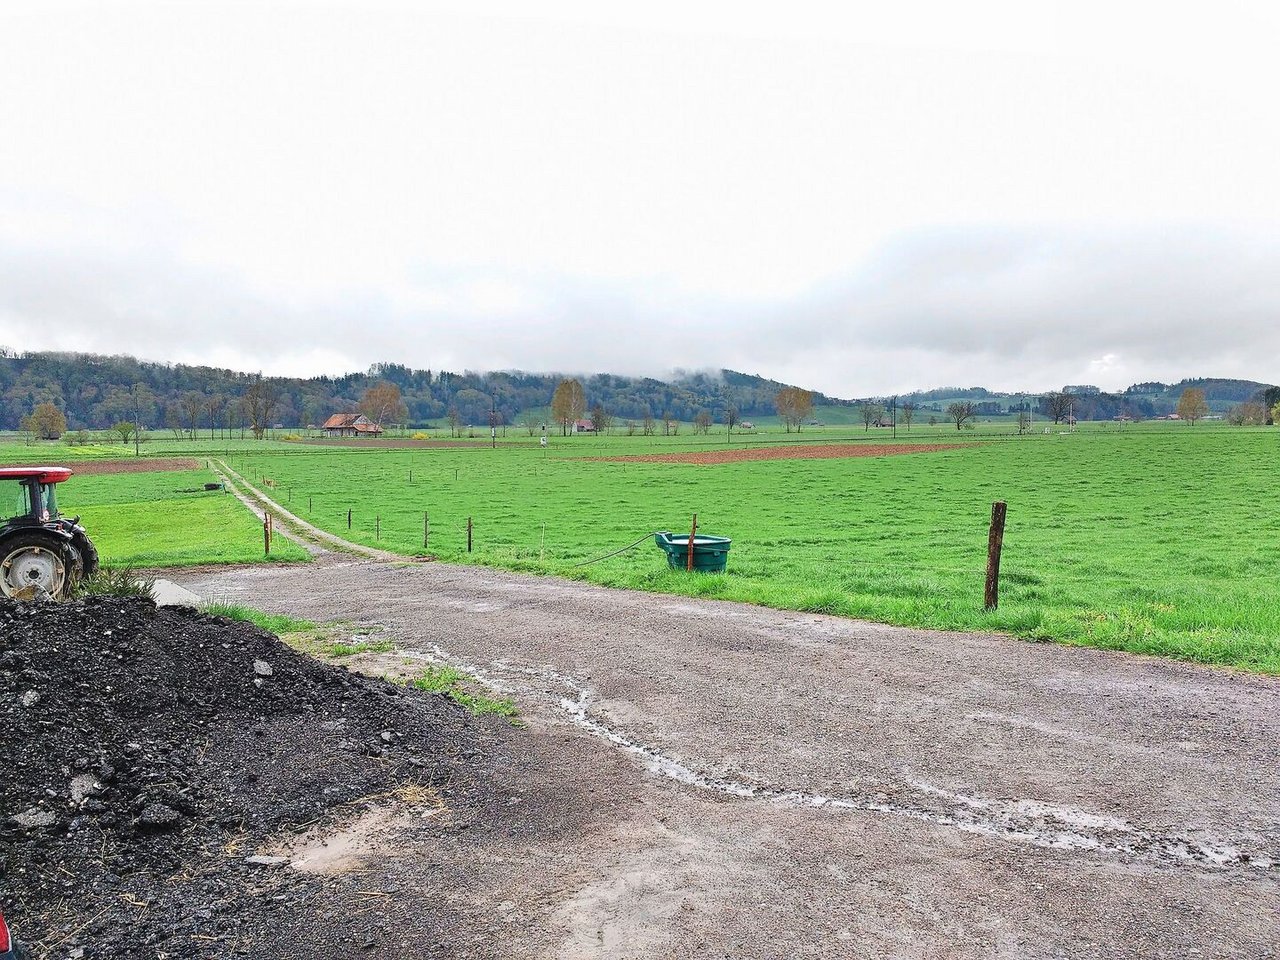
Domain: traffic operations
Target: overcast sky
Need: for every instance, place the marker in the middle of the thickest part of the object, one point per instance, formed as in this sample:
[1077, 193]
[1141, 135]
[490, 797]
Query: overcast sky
[1016, 195]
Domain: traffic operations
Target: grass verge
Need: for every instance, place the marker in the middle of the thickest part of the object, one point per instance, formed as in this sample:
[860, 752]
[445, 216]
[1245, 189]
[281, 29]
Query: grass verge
[277, 623]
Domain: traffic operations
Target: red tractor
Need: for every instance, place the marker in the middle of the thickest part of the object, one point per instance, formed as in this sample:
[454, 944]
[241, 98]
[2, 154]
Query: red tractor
[41, 553]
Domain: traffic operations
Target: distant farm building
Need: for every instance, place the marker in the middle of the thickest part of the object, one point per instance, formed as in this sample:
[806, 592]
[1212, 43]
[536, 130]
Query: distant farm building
[583, 426]
[746, 425]
[351, 425]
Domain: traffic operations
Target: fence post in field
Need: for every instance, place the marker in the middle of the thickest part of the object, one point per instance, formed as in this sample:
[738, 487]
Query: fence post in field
[266, 534]
[377, 527]
[426, 529]
[348, 518]
[995, 541]
[468, 534]
[692, 531]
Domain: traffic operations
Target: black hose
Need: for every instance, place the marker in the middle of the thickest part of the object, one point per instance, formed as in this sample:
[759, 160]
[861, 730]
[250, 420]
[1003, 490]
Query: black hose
[615, 553]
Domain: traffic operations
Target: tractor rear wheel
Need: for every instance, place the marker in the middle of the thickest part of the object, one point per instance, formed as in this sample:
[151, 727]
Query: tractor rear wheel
[88, 555]
[35, 564]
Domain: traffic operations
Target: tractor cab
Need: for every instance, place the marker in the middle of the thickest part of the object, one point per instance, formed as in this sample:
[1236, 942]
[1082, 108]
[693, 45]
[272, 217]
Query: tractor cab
[37, 497]
[41, 553]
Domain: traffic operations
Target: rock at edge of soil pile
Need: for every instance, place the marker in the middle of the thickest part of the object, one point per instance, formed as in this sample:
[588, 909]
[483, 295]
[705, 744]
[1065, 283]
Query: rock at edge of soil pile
[140, 745]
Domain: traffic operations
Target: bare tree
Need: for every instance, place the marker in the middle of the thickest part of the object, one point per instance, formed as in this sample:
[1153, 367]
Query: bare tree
[600, 419]
[648, 426]
[259, 402]
[213, 405]
[960, 411]
[453, 418]
[730, 418]
[192, 407]
[908, 409]
[702, 422]
[173, 419]
[1024, 422]
[530, 423]
[1058, 405]
[871, 413]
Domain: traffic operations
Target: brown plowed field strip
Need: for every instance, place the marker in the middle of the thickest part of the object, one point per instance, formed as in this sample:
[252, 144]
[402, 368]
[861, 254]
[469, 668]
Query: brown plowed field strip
[86, 467]
[814, 451]
[397, 444]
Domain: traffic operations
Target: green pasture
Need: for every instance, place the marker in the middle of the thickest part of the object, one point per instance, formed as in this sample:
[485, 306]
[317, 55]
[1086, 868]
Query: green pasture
[1161, 541]
[1157, 538]
[166, 519]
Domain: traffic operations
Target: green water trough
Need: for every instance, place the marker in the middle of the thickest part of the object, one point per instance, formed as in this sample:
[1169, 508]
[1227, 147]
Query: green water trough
[710, 554]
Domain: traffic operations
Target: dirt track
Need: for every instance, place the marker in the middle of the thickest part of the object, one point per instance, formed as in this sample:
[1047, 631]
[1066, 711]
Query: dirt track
[742, 782]
[786, 451]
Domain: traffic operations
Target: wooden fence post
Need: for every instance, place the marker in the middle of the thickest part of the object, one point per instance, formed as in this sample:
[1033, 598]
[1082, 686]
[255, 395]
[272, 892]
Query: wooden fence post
[377, 527]
[468, 534]
[348, 518]
[266, 534]
[995, 541]
[693, 530]
[426, 529]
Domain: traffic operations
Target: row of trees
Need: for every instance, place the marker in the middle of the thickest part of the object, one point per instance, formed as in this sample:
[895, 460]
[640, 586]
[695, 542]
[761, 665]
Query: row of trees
[569, 405]
[94, 392]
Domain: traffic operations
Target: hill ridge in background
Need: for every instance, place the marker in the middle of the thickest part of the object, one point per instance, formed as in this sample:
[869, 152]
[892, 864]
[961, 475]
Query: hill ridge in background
[93, 391]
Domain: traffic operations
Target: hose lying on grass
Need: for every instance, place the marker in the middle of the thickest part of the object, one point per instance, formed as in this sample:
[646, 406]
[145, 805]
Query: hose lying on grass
[585, 563]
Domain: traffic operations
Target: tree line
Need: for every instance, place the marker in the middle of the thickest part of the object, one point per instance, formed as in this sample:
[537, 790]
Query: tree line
[95, 392]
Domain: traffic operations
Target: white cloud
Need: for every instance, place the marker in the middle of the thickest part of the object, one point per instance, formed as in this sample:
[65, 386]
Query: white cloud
[868, 200]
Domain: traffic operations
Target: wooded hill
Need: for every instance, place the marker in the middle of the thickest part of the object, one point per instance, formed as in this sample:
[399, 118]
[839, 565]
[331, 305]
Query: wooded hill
[94, 392]
[1141, 400]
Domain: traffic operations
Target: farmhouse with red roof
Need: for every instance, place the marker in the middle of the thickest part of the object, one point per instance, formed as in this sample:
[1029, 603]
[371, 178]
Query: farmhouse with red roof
[351, 425]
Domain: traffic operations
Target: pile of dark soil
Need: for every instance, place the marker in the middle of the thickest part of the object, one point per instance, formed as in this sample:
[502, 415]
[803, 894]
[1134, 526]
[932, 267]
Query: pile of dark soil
[146, 753]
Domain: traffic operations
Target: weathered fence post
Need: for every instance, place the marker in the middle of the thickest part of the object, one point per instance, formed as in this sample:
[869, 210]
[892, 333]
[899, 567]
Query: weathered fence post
[692, 531]
[468, 534]
[995, 541]
[426, 529]
[377, 527]
[348, 518]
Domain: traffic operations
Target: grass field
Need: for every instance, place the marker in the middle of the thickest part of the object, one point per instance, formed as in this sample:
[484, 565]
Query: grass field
[165, 519]
[1162, 539]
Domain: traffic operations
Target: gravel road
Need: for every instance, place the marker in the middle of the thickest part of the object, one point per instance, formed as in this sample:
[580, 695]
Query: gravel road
[744, 782]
